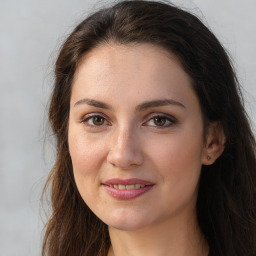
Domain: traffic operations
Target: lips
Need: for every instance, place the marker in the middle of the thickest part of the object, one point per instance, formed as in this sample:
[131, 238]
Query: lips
[127, 182]
[127, 189]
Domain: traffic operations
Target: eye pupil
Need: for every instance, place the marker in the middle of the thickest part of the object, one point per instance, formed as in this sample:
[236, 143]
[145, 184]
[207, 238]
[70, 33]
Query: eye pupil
[159, 121]
[97, 120]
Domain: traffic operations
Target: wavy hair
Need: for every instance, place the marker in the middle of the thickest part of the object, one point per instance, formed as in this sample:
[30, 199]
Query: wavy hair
[226, 205]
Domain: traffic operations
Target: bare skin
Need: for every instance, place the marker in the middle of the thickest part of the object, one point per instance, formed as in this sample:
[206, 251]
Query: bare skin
[134, 115]
[182, 239]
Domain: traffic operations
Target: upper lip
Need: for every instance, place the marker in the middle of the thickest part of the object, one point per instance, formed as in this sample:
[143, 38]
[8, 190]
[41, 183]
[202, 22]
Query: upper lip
[118, 181]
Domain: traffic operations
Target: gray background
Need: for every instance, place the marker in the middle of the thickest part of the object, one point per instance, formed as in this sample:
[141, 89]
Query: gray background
[31, 32]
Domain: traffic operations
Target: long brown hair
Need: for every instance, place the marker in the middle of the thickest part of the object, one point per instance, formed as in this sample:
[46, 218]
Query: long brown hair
[226, 204]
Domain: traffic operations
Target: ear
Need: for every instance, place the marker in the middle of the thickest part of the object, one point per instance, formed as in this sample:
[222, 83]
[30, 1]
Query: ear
[214, 145]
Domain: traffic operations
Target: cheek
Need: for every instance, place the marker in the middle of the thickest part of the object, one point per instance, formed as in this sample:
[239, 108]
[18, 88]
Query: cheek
[178, 160]
[179, 167]
[87, 158]
[85, 154]
[178, 151]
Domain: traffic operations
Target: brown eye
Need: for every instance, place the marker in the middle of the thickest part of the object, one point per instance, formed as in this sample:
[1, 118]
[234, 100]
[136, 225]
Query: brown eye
[159, 121]
[94, 121]
[97, 120]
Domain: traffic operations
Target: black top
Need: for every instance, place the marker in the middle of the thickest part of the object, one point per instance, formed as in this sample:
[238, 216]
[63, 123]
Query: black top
[211, 252]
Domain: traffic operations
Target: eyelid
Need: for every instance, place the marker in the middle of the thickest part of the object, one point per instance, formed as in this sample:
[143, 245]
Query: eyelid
[149, 117]
[169, 117]
[86, 117]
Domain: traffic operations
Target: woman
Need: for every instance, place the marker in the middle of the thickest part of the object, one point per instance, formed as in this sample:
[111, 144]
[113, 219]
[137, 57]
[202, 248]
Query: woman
[155, 155]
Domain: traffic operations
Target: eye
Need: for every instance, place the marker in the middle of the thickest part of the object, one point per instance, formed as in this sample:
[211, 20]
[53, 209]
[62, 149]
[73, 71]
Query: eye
[160, 121]
[94, 120]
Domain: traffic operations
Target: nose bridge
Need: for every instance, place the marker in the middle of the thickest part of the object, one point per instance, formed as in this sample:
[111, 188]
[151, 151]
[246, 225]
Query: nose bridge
[124, 137]
[125, 150]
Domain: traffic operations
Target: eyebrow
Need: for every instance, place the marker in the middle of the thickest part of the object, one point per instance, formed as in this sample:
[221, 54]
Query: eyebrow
[140, 107]
[94, 103]
[158, 103]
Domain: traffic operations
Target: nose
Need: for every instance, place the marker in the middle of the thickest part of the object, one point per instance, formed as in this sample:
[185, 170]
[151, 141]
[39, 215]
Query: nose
[125, 150]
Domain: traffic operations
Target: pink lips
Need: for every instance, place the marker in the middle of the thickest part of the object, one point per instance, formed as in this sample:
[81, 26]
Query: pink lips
[127, 189]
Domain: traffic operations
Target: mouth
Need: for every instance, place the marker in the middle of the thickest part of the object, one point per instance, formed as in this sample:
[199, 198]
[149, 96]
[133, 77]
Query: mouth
[127, 189]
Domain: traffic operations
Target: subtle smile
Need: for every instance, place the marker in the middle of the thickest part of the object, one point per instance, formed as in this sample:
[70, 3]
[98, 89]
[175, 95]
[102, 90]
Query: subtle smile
[127, 189]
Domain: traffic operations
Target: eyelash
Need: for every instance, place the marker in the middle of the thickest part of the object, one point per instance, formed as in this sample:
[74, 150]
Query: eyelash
[170, 119]
[167, 118]
[89, 117]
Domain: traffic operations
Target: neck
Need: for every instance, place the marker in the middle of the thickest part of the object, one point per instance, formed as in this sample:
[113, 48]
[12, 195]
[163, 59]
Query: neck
[180, 237]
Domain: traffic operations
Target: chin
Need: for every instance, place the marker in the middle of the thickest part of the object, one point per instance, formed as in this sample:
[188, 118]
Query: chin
[127, 221]
[128, 226]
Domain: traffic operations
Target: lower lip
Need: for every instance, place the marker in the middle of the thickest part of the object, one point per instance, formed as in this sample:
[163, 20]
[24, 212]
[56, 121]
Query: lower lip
[126, 194]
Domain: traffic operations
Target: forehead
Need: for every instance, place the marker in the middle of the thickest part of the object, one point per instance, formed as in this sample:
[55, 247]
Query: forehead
[144, 59]
[129, 70]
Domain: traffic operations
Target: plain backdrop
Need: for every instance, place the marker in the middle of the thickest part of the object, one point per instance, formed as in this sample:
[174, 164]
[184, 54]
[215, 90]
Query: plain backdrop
[31, 32]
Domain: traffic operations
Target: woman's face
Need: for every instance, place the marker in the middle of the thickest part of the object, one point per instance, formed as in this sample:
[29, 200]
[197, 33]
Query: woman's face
[135, 136]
